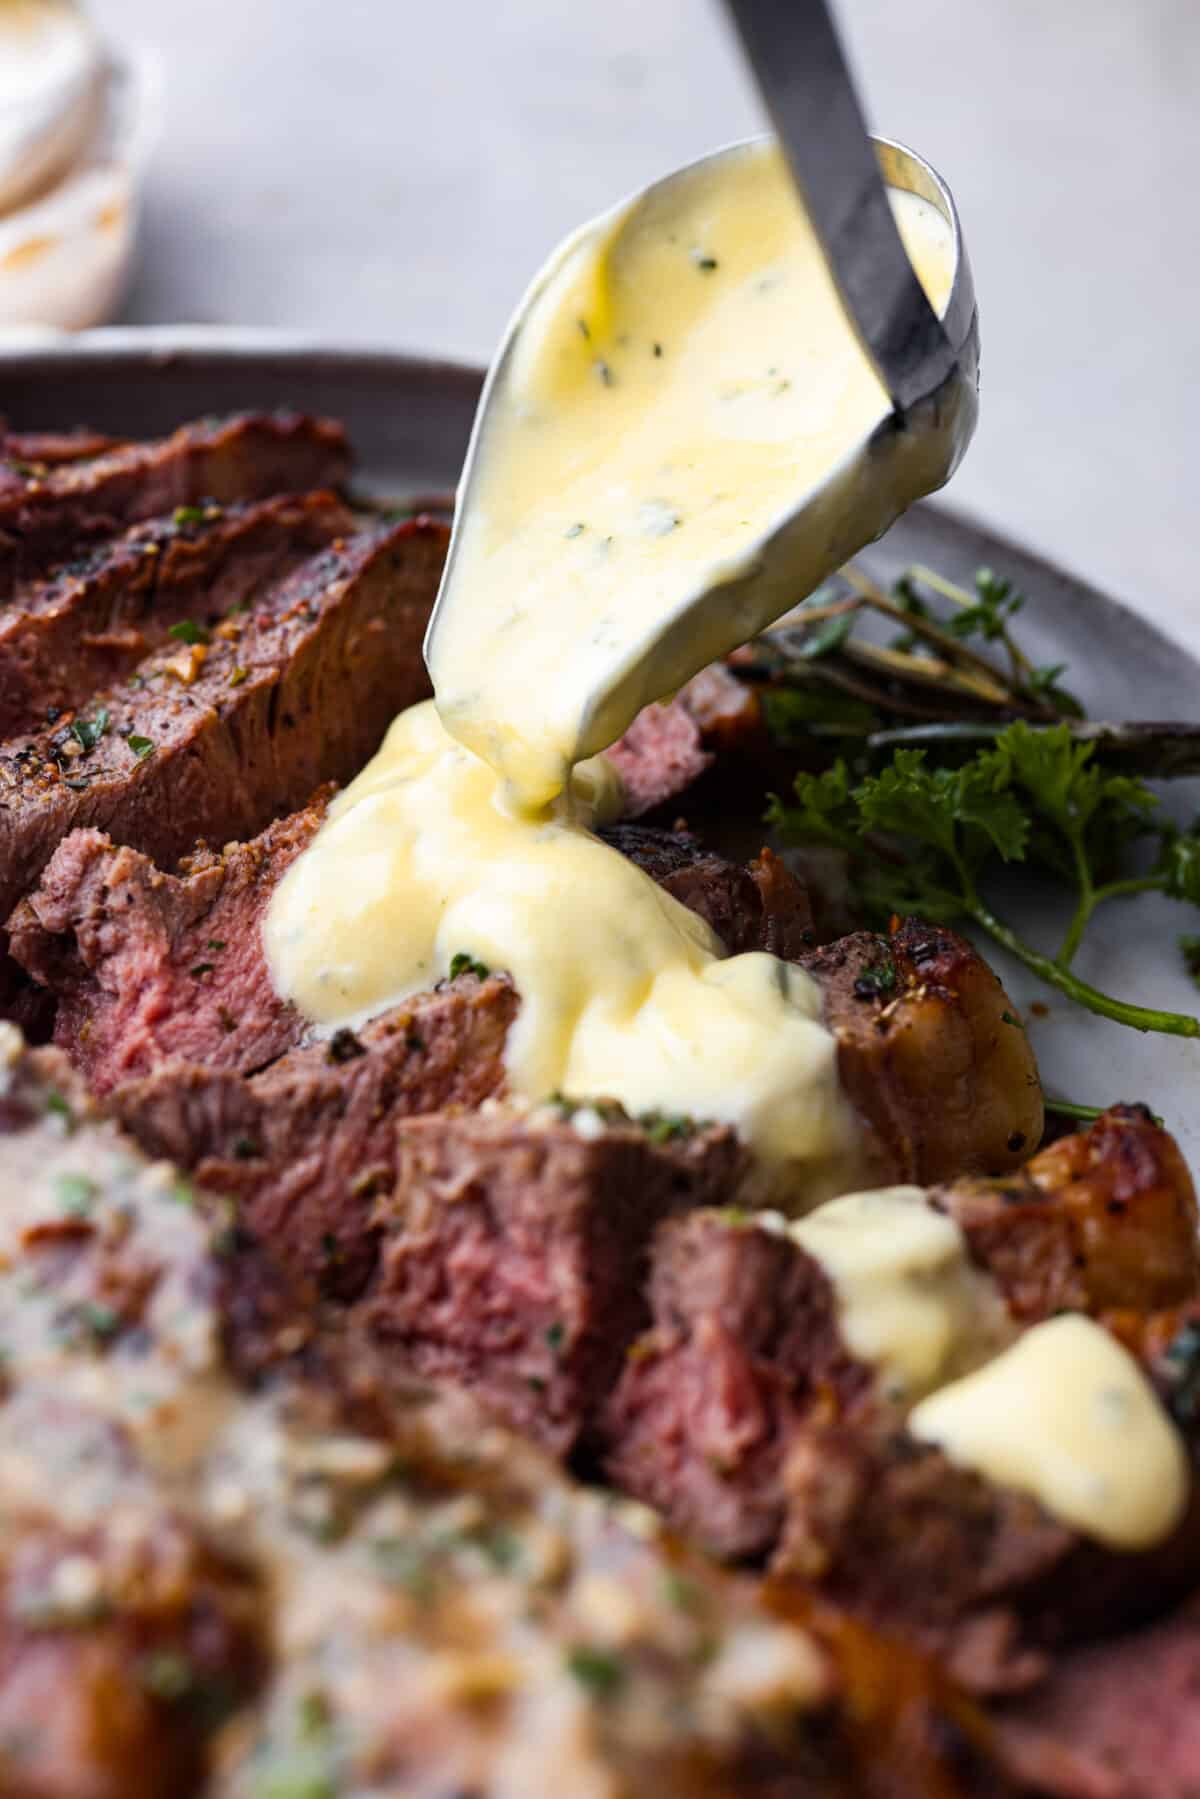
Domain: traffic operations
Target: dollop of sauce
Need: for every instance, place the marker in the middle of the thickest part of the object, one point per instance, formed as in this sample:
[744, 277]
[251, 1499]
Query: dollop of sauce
[685, 379]
[910, 1301]
[1067, 1416]
[624, 992]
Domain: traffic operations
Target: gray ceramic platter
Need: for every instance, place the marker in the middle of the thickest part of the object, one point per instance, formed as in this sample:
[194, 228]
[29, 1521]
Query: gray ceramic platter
[409, 418]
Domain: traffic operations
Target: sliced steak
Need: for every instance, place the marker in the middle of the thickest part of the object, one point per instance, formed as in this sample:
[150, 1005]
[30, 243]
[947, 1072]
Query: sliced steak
[215, 740]
[659, 757]
[160, 1526]
[744, 1350]
[304, 1147]
[148, 967]
[96, 616]
[38, 451]
[930, 1051]
[760, 907]
[714, 719]
[514, 1251]
[742, 1416]
[46, 513]
[1117, 1720]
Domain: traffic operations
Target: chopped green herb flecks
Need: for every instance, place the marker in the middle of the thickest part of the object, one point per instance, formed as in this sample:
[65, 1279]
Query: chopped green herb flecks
[141, 746]
[666, 1127]
[462, 963]
[166, 1674]
[599, 1670]
[878, 981]
[704, 262]
[76, 1194]
[188, 631]
[60, 1108]
[87, 732]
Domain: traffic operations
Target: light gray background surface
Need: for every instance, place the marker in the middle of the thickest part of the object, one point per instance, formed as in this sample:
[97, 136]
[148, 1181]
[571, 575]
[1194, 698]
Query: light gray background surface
[392, 172]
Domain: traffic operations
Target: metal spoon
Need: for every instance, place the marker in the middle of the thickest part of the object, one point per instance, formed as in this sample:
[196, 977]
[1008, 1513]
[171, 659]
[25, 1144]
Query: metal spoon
[929, 369]
[802, 74]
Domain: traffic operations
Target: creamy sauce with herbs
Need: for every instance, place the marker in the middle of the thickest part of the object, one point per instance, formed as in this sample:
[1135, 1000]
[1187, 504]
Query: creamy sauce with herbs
[1067, 1416]
[910, 1301]
[625, 993]
[684, 379]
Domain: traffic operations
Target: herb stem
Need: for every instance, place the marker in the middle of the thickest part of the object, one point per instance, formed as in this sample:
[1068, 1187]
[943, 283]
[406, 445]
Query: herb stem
[1124, 889]
[1138, 1018]
[1084, 909]
[1066, 1108]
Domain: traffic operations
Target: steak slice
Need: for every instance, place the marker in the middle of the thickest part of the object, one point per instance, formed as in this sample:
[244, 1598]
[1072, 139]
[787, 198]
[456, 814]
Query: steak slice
[514, 1251]
[670, 745]
[930, 1052]
[304, 1147]
[217, 739]
[52, 448]
[117, 942]
[659, 756]
[1116, 1720]
[759, 907]
[744, 1349]
[94, 617]
[148, 967]
[744, 1419]
[45, 513]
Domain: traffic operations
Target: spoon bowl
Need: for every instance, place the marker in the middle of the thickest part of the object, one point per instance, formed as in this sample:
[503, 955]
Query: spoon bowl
[899, 458]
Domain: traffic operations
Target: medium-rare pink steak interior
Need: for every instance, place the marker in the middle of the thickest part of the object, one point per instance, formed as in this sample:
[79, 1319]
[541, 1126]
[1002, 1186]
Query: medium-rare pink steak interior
[388, 1386]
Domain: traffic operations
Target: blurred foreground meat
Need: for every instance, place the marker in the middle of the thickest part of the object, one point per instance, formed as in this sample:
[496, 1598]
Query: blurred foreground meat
[338, 1583]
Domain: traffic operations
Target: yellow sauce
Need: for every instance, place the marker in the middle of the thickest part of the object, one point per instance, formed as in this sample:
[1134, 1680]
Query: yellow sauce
[684, 379]
[910, 1301]
[624, 992]
[1067, 1416]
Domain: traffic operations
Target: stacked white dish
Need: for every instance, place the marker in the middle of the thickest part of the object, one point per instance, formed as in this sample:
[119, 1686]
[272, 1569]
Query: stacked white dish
[76, 125]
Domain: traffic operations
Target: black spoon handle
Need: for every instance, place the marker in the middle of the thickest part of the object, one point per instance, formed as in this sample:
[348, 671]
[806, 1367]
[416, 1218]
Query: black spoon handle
[796, 56]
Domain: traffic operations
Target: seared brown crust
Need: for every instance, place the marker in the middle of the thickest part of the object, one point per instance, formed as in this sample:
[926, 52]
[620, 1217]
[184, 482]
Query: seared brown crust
[52, 448]
[45, 514]
[146, 967]
[1101, 1220]
[759, 907]
[243, 728]
[305, 1147]
[930, 1051]
[94, 617]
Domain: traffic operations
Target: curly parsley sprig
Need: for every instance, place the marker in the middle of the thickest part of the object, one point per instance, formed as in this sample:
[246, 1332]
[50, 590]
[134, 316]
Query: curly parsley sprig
[922, 839]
